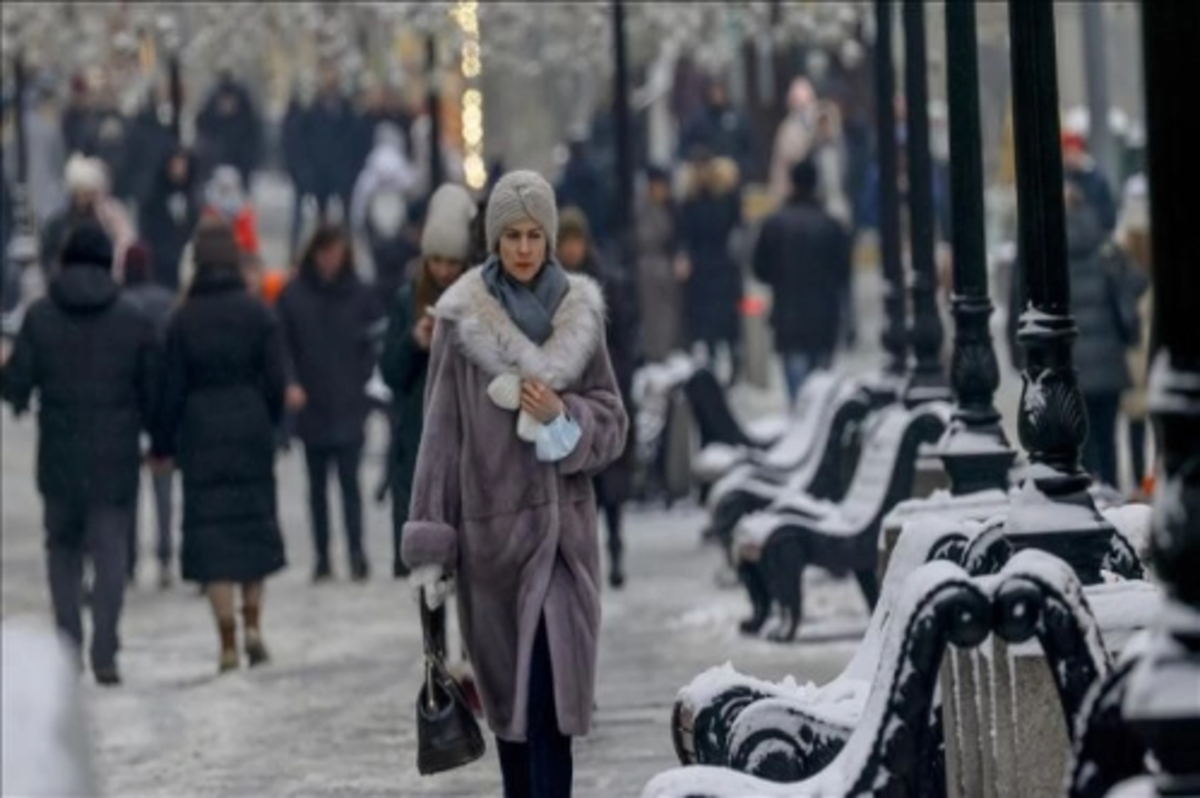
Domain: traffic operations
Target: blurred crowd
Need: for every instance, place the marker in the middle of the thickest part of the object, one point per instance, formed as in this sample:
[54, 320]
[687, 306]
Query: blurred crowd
[167, 337]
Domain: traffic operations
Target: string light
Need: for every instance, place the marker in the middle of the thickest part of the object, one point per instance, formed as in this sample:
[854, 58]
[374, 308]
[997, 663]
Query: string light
[471, 64]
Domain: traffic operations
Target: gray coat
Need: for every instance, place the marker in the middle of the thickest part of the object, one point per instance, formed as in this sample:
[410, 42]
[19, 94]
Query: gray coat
[522, 535]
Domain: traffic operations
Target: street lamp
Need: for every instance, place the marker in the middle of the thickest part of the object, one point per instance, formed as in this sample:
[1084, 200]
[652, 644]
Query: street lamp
[928, 382]
[894, 339]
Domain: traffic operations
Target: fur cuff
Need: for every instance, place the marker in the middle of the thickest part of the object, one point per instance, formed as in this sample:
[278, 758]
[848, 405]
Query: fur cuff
[429, 543]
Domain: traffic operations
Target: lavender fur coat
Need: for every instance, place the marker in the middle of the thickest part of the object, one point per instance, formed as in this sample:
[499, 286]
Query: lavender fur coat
[521, 534]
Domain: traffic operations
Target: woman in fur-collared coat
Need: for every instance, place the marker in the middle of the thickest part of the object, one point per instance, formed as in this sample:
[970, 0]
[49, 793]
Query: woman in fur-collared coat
[522, 410]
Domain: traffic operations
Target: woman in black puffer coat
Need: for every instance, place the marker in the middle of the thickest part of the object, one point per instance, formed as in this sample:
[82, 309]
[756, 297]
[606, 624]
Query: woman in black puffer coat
[222, 400]
[1104, 295]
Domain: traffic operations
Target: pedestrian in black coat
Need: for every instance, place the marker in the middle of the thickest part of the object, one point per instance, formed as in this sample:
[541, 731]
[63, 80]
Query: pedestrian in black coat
[327, 312]
[1105, 289]
[156, 303]
[94, 362]
[329, 141]
[710, 217]
[297, 162]
[168, 213]
[614, 485]
[222, 398]
[803, 254]
[229, 130]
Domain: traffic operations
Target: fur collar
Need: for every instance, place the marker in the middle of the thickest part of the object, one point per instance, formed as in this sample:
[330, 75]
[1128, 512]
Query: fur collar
[491, 340]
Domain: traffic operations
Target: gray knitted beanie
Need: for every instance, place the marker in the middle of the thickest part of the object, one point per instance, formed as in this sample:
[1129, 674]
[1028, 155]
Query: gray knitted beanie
[517, 196]
[447, 230]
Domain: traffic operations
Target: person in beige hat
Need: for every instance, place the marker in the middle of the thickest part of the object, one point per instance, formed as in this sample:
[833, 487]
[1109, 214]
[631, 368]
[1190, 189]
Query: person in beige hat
[445, 246]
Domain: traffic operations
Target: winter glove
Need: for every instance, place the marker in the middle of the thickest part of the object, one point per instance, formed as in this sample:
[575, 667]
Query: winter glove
[432, 582]
[505, 393]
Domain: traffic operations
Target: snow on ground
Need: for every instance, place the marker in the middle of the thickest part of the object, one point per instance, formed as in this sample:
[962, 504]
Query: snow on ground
[333, 715]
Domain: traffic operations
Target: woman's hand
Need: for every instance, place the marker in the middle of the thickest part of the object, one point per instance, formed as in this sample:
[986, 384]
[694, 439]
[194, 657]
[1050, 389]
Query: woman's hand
[432, 584]
[295, 398]
[540, 402]
[423, 332]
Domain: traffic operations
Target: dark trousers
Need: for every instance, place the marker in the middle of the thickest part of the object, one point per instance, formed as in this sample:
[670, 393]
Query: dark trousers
[1100, 450]
[164, 548]
[1137, 450]
[346, 459]
[540, 767]
[614, 514]
[101, 534]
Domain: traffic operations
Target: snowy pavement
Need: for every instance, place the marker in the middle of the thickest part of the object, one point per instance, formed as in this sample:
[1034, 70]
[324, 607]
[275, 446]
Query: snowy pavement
[333, 715]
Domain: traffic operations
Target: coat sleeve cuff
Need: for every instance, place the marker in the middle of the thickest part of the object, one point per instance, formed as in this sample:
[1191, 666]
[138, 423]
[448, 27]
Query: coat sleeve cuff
[429, 543]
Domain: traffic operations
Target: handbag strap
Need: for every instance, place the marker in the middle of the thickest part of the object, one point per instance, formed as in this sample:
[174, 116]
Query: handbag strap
[433, 632]
[433, 629]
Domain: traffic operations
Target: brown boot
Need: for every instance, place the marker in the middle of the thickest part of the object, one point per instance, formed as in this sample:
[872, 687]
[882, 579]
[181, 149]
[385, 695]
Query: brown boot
[229, 655]
[256, 652]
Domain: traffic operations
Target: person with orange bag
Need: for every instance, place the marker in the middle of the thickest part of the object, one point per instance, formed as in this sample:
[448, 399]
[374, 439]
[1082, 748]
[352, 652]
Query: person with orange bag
[225, 198]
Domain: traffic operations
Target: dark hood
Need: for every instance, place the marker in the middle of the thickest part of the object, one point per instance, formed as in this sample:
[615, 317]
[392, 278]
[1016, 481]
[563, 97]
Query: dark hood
[83, 289]
[1085, 234]
[164, 186]
[346, 281]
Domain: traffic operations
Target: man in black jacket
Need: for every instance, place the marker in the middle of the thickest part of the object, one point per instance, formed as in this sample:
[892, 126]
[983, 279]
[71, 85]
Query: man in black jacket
[803, 254]
[93, 360]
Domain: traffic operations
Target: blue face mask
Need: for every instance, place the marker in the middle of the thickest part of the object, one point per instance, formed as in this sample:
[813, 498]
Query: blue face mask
[229, 206]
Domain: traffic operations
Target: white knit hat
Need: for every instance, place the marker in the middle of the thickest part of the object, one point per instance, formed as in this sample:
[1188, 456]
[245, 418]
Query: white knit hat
[447, 230]
[86, 174]
[518, 196]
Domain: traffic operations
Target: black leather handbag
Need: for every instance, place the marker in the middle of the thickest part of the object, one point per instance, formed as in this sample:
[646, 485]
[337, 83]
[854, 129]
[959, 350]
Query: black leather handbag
[448, 736]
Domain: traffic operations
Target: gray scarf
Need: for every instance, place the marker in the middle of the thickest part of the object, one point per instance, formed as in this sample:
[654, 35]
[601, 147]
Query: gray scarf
[531, 307]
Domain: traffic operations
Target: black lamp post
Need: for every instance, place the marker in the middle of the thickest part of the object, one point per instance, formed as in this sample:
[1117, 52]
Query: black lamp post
[975, 450]
[1163, 702]
[894, 339]
[623, 217]
[22, 246]
[1053, 421]
[433, 105]
[927, 381]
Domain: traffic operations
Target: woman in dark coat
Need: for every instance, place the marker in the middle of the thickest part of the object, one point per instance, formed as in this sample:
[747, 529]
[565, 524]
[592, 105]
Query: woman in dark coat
[168, 213]
[445, 248]
[659, 290]
[222, 399]
[711, 214]
[577, 254]
[1104, 295]
[327, 313]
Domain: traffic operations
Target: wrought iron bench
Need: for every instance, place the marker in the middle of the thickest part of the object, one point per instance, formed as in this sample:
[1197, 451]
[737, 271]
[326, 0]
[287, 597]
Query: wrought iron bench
[706, 709]
[895, 746]
[717, 460]
[774, 547]
[822, 470]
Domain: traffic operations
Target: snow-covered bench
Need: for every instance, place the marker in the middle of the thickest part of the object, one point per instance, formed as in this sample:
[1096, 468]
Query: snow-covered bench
[938, 605]
[707, 708]
[811, 410]
[895, 746]
[821, 470]
[772, 548]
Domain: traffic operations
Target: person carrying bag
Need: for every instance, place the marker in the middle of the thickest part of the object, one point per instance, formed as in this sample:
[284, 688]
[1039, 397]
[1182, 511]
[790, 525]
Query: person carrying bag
[448, 736]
